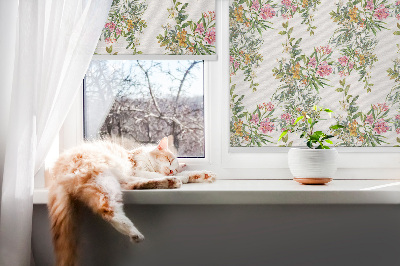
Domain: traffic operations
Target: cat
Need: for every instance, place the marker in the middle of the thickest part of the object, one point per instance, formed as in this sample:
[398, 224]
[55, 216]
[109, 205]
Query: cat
[94, 173]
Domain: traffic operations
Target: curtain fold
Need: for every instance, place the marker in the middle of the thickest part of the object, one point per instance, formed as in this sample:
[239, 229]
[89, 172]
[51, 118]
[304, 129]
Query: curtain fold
[55, 43]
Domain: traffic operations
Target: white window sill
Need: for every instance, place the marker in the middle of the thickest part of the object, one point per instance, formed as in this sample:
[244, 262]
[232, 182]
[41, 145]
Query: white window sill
[264, 192]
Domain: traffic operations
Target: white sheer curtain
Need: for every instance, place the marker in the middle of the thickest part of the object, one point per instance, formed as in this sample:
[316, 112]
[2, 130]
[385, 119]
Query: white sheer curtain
[55, 41]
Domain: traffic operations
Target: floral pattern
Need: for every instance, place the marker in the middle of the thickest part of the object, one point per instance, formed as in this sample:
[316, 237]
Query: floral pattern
[288, 8]
[181, 28]
[247, 22]
[359, 22]
[304, 74]
[360, 129]
[124, 21]
[195, 37]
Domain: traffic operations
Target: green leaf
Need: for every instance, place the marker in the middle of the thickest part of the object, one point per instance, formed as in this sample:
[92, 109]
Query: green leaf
[109, 49]
[298, 119]
[329, 141]
[309, 144]
[285, 138]
[336, 127]
[283, 134]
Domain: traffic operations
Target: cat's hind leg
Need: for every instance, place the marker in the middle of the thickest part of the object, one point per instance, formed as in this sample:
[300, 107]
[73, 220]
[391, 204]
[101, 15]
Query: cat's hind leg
[103, 195]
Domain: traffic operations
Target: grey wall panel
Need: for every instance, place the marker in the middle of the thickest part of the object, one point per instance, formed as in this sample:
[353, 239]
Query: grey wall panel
[233, 235]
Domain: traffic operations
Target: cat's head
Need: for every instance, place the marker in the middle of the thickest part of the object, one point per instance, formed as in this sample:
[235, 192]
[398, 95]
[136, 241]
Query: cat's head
[164, 161]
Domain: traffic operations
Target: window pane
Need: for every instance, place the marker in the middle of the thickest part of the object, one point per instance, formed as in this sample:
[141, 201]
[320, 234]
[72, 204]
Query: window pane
[140, 102]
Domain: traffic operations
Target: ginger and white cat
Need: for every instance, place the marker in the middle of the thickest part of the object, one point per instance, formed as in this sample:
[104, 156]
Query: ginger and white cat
[94, 174]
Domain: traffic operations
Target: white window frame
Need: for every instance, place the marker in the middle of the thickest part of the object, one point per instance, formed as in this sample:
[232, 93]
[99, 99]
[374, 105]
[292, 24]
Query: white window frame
[246, 163]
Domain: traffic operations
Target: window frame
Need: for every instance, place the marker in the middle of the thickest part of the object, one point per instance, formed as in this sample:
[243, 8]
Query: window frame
[244, 163]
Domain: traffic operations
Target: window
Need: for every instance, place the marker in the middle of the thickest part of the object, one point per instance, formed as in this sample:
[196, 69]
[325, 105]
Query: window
[140, 102]
[228, 162]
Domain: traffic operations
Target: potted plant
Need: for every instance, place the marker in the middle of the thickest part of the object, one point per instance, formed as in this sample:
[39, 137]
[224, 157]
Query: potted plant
[315, 164]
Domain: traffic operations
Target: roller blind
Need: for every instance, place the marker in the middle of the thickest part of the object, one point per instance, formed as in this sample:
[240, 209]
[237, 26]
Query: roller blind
[166, 29]
[288, 55]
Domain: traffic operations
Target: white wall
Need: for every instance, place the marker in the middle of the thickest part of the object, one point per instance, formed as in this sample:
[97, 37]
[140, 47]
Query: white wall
[248, 235]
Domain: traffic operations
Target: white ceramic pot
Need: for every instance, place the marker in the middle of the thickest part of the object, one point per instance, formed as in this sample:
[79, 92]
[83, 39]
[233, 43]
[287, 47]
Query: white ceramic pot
[312, 166]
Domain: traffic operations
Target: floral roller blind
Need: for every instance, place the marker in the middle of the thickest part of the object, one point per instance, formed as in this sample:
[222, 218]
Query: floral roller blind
[157, 27]
[288, 55]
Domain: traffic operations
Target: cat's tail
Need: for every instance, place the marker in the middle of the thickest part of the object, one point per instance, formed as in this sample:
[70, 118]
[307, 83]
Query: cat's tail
[62, 212]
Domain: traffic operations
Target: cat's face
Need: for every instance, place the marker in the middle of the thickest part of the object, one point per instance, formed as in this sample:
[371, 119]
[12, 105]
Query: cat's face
[164, 161]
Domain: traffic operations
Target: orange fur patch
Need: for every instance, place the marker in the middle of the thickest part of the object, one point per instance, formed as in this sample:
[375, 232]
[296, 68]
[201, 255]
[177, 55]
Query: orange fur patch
[196, 176]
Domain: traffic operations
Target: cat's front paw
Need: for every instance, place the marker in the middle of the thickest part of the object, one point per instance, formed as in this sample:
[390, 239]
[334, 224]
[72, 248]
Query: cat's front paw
[174, 182]
[137, 237]
[209, 177]
[201, 176]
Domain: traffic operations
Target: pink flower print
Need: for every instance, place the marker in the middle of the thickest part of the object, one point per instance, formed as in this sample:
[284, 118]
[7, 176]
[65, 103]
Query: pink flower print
[343, 73]
[384, 107]
[398, 130]
[287, 3]
[294, 8]
[109, 40]
[343, 60]
[312, 62]
[381, 126]
[199, 29]
[267, 12]
[255, 5]
[287, 16]
[254, 119]
[370, 5]
[397, 3]
[351, 65]
[397, 117]
[210, 36]
[110, 25]
[324, 49]
[266, 126]
[269, 107]
[231, 59]
[286, 116]
[381, 12]
[369, 119]
[398, 16]
[118, 31]
[324, 69]
[212, 14]
[236, 64]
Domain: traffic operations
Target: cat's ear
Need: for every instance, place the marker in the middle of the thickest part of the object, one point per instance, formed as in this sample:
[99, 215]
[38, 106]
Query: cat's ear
[163, 145]
[171, 146]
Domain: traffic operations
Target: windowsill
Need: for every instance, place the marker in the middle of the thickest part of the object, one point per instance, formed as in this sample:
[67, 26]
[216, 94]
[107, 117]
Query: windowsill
[264, 192]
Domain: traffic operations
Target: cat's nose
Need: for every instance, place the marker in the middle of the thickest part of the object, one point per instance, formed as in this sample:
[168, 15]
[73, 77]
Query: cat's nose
[171, 172]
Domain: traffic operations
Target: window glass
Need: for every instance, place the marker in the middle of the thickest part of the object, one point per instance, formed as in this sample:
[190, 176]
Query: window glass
[139, 102]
